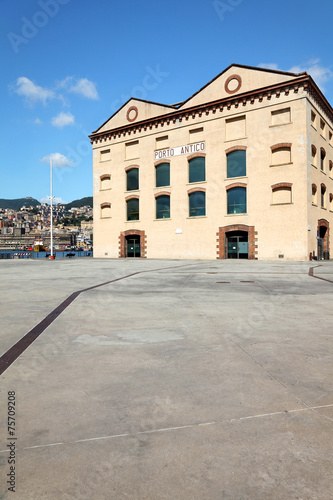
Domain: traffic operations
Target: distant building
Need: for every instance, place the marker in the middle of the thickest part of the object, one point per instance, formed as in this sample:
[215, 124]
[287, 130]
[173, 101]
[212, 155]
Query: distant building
[241, 169]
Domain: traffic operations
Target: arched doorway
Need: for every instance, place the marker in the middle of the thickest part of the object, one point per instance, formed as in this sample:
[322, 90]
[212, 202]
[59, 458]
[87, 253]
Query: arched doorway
[133, 245]
[323, 238]
[237, 243]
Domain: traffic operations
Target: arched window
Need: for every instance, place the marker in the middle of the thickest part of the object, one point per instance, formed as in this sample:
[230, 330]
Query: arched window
[236, 163]
[322, 159]
[162, 174]
[132, 208]
[322, 196]
[314, 155]
[105, 210]
[132, 179]
[236, 200]
[331, 202]
[281, 154]
[197, 203]
[197, 169]
[163, 206]
[105, 182]
[314, 195]
[281, 193]
[330, 166]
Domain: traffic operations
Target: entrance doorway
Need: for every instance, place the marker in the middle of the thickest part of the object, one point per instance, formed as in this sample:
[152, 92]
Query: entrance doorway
[322, 242]
[133, 246]
[237, 244]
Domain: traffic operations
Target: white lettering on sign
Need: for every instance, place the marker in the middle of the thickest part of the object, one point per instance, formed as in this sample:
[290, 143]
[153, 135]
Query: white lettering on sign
[198, 147]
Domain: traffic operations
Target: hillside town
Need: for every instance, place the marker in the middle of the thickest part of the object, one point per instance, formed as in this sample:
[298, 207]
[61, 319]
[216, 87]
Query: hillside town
[30, 226]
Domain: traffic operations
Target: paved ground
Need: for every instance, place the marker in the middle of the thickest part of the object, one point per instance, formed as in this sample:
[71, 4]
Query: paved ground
[190, 380]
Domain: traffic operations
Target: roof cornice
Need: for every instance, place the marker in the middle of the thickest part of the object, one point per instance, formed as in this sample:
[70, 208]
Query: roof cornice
[293, 85]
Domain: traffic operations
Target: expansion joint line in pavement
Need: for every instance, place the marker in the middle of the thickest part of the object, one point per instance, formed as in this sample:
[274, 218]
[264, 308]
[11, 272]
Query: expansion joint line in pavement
[318, 277]
[17, 349]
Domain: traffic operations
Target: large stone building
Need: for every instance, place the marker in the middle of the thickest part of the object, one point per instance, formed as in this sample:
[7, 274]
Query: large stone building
[241, 169]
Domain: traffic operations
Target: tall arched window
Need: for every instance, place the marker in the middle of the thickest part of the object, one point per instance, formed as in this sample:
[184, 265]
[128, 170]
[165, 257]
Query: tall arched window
[162, 174]
[314, 195]
[132, 206]
[197, 169]
[236, 200]
[236, 163]
[322, 159]
[197, 203]
[322, 196]
[163, 206]
[132, 179]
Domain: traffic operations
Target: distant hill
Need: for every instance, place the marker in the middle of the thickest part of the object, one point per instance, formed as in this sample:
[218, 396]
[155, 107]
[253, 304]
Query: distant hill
[87, 201]
[18, 203]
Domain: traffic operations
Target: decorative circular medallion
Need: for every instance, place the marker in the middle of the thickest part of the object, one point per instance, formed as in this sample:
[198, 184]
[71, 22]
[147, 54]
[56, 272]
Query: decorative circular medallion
[233, 84]
[132, 114]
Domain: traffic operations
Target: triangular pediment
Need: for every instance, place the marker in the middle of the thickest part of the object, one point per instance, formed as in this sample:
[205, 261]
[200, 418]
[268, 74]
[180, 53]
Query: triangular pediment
[234, 80]
[133, 111]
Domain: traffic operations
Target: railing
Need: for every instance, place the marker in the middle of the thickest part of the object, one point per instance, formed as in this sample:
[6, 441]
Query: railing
[30, 254]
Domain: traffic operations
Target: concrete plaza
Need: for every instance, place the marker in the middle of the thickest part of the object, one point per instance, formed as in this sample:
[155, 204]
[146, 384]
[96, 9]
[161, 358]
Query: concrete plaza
[174, 380]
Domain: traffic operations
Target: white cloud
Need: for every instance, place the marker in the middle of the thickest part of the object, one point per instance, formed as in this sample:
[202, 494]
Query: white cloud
[320, 74]
[62, 120]
[56, 200]
[38, 121]
[58, 160]
[31, 92]
[81, 86]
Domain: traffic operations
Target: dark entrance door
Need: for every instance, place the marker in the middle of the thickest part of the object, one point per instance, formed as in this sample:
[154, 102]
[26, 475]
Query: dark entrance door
[133, 246]
[321, 241]
[237, 245]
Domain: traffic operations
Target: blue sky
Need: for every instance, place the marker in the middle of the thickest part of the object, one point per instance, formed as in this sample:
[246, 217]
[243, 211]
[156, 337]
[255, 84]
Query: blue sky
[67, 65]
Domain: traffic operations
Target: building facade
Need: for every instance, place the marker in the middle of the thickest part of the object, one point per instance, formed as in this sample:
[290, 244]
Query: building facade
[241, 169]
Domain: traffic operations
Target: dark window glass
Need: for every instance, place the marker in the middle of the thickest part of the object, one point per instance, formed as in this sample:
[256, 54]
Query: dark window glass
[237, 200]
[197, 201]
[132, 179]
[133, 209]
[197, 169]
[163, 175]
[322, 159]
[163, 207]
[236, 164]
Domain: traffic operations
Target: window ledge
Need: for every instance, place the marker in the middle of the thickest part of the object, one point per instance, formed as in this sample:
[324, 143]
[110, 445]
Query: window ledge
[281, 164]
[314, 166]
[196, 182]
[323, 172]
[197, 217]
[314, 205]
[235, 215]
[163, 187]
[106, 189]
[287, 203]
[132, 191]
[313, 127]
[280, 124]
[321, 135]
[240, 177]
[131, 221]
[162, 218]
[131, 159]
[323, 208]
[102, 218]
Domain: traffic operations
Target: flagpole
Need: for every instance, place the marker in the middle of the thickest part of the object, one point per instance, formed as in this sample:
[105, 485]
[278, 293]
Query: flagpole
[51, 256]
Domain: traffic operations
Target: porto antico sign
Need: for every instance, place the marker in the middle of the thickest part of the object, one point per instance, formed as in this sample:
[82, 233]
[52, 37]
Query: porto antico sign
[198, 147]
